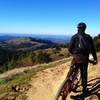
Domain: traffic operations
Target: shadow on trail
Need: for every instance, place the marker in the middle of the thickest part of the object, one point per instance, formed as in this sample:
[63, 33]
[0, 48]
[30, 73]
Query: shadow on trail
[93, 93]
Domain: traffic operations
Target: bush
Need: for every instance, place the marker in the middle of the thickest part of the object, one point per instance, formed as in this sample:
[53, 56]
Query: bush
[97, 42]
[55, 51]
[41, 57]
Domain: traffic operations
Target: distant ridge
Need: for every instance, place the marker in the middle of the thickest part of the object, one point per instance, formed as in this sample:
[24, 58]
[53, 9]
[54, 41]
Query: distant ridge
[25, 43]
[53, 38]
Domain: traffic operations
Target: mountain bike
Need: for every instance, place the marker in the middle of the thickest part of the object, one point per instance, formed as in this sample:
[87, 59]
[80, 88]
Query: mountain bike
[70, 83]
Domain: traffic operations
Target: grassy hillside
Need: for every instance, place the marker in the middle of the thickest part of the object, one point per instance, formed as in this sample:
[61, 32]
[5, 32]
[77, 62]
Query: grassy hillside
[28, 51]
[10, 60]
[19, 52]
[26, 44]
[17, 85]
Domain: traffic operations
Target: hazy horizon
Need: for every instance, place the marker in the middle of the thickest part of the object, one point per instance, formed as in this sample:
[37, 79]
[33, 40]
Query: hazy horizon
[40, 34]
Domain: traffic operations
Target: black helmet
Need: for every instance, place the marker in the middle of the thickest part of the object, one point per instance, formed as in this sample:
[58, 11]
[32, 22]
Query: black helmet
[81, 25]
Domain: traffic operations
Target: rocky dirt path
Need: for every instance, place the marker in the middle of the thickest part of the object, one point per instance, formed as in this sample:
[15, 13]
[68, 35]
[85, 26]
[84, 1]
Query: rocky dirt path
[47, 82]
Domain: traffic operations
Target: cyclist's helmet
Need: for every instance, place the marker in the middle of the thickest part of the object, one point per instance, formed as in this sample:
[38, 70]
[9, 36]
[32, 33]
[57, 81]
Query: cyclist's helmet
[81, 25]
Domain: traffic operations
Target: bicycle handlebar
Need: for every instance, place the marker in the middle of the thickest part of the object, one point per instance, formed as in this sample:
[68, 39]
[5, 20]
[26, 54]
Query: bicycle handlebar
[92, 62]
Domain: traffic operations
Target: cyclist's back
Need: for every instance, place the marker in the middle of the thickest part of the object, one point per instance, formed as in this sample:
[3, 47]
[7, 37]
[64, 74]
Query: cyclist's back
[81, 43]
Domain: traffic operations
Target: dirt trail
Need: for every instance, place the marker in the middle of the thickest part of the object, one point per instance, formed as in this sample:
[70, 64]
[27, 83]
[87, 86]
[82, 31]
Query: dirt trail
[47, 82]
[15, 71]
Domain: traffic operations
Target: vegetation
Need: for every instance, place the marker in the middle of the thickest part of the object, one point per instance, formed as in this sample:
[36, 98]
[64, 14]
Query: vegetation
[16, 86]
[41, 57]
[18, 59]
[97, 42]
[13, 59]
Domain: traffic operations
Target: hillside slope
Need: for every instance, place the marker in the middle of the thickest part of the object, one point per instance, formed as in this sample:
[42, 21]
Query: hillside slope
[47, 82]
[26, 43]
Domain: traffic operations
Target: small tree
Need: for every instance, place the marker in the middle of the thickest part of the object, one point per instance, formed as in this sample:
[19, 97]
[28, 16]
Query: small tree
[41, 57]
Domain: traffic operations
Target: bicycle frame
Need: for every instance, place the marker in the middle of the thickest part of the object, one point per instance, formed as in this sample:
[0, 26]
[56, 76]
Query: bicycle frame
[70, 83]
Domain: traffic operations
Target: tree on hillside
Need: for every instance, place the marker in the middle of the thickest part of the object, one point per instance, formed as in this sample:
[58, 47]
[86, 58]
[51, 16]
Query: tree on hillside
[41, 57]
[97, 42]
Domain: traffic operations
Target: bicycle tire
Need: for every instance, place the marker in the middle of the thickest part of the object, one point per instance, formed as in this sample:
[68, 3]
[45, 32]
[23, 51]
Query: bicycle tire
[69, 84]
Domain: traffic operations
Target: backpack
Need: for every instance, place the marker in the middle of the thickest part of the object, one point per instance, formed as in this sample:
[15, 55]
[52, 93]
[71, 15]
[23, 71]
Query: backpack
[83, 42]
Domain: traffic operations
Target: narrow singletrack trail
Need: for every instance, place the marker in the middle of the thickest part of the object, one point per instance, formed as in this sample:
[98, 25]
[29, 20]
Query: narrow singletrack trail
[47, 82]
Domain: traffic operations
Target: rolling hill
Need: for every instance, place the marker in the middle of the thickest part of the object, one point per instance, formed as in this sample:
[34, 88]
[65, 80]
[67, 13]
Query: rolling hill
[26, 43]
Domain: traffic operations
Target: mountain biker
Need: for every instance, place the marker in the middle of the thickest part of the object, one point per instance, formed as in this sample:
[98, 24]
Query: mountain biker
[80, 46]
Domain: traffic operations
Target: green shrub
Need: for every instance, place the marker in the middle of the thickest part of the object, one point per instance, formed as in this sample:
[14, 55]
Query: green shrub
[2, 81]
[97, 42]
[41, 57]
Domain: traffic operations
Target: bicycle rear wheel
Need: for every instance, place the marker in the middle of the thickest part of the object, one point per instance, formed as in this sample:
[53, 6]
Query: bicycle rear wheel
[64, 89]
[69, 84]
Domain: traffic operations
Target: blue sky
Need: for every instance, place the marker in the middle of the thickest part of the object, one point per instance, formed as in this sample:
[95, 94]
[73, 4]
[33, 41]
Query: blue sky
[49, 16]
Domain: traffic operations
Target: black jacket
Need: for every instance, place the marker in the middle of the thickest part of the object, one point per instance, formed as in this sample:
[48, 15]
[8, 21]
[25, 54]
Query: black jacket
[74, 49]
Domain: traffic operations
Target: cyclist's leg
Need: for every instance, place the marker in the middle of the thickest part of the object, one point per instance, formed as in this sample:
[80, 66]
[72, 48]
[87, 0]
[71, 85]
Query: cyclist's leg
[84, 73]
